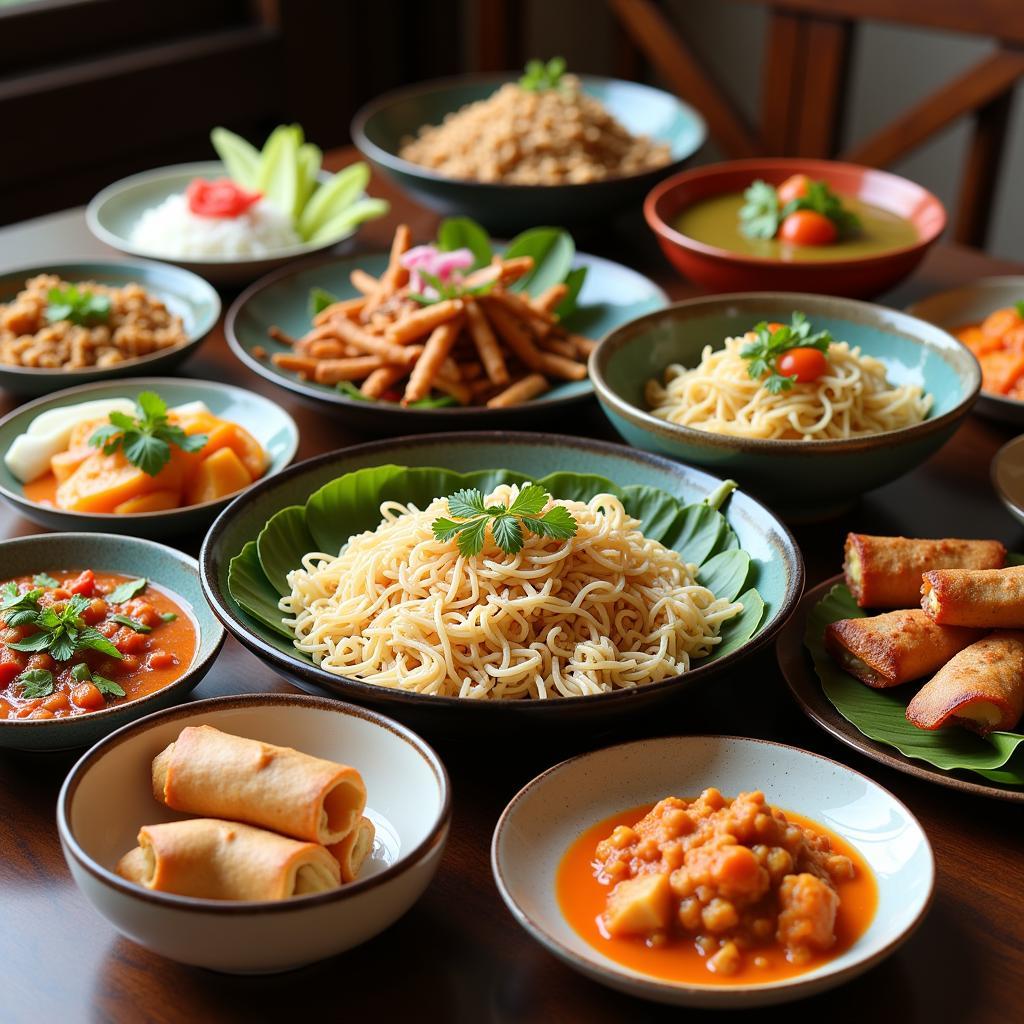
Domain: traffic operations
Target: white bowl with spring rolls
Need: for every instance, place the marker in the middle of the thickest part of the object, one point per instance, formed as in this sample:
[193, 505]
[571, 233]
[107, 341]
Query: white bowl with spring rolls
[255, 834]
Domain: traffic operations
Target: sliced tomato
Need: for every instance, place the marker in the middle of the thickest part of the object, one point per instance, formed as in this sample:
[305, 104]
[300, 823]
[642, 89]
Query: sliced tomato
[806, 364]
[808, 227]
[220, 198]
[84, 584]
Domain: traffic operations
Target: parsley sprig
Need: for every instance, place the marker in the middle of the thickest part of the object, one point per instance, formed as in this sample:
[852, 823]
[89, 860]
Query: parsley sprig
[539, 75]
[60, 631]
[507, 522]
[146, 438]
[762, 214]
[769, 345]
[77, 305]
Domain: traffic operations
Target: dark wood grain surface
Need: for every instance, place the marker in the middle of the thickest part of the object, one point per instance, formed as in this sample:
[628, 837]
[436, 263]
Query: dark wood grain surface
[458, 955]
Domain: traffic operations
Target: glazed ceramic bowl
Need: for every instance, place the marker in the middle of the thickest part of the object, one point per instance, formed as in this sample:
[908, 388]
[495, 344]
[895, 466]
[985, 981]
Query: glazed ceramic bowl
[108, 795]
[182, 292]
[802, 479]
[549, 813]
[276, 431]
[721, 270]
[611, 295]
[113, 213]
[970, 304]
[380, 128]
[134, 557]
[777, 574]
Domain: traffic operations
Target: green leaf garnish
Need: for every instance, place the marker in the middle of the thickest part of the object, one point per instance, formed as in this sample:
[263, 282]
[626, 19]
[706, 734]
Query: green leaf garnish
[539, 75]
[125, 591]
[168, 616]
[19, 609]
[821, 199]
[146, 439]
[42, 579]
[760, 214]
[1019, 306]
[107, 686]
[81, 673]
[464, 233]
[319, 300]
[36, 682]
[506, 522]
[761, 354]
[76, 305]
[61, 632]
[127, 620]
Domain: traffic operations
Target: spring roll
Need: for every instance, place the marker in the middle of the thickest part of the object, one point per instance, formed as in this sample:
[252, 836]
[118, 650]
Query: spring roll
[982, 688]
[223, 860]
[984, 598]
[895, 647]
[353, 850]
[206, 771]
[885, 572]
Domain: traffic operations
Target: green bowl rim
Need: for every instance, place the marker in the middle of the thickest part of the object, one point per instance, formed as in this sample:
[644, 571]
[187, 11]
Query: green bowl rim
[153, 383]
[91, 373]
[676, 432]
[95, 207]
[399, 165]
[786, 548]
[186, 681]
[546, 403]
[667, 233]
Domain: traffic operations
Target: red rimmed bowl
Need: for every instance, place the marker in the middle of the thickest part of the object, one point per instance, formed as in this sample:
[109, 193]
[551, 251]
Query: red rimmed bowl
[721, 270]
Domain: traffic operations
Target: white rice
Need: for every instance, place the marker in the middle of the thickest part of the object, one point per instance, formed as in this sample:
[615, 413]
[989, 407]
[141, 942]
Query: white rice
[172, 229]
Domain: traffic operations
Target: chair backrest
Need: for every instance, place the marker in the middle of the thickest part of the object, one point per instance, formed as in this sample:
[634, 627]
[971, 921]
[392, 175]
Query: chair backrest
[806, 74]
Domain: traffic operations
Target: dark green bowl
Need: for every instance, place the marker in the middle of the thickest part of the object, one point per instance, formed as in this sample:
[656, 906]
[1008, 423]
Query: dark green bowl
[803, 480]
[184, 293]
[381, 126]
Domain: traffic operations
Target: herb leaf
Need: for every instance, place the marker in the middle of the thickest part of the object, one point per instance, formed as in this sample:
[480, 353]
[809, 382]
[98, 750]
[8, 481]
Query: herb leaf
[1019, 306]
[107, 686]
[81, 673]
[539, 76]
[146, 440]
[76, 305]
[319, 300]
[760, 215]
[127, 620]
[762, 353]
[61, 632]
[125, 591]
[466, 503]
[20, 609]
[507, 532]
[43, 579]
[558, 522]
[531, 500]
[168, 616]
[36, 682]
[821, 199]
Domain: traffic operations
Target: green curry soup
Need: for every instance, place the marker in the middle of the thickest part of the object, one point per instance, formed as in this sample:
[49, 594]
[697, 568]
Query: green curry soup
[716, 221]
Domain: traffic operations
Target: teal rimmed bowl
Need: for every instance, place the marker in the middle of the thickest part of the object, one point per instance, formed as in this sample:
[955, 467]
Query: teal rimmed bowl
[183, 292]
[803, 480]
[133, 556]
[611, 295]
[276, 431]
[777, 572]
[380, 128]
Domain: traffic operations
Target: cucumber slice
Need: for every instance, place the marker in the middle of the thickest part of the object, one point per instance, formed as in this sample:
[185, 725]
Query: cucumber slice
[240, 158]
[352, 215]
[331, 199]
[310, 159]
[279, 171]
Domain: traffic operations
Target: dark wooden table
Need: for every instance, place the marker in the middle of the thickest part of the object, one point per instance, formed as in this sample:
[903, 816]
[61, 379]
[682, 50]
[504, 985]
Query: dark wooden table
[458, 955]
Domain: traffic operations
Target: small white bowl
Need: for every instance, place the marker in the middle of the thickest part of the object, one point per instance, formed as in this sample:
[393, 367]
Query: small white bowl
[547, 815]
[107, 796]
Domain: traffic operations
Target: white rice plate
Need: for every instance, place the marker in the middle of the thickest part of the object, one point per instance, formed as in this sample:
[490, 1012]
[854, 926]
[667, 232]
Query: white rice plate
[172, 229]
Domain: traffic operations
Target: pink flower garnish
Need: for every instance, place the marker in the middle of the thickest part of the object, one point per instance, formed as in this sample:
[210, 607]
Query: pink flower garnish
[445, 266]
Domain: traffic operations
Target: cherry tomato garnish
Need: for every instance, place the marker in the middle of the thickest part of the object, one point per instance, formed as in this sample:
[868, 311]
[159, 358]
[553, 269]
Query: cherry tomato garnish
[806, 364]
[220, 198]
[807, 227]
[794, 187]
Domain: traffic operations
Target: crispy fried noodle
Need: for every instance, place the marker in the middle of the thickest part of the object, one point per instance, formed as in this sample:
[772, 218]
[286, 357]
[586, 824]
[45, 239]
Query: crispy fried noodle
[852, 399]
[606, 610]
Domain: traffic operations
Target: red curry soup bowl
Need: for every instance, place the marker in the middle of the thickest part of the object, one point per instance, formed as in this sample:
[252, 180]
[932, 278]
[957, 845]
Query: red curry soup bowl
[858, 276]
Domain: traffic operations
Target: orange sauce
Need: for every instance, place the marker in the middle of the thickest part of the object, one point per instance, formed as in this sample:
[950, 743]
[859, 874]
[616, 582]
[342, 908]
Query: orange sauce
[582, 900]
[42, 491]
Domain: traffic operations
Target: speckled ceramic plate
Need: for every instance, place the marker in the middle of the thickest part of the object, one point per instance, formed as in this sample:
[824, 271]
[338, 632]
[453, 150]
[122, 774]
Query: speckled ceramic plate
[611, 295]
[134, 557]
[265, 420]
[182, 292]
[549, 813]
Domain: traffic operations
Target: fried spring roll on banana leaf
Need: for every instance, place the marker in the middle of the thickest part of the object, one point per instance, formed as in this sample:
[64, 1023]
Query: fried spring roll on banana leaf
[895, 647]
[982, 688]
[984, 598]
[885, 572]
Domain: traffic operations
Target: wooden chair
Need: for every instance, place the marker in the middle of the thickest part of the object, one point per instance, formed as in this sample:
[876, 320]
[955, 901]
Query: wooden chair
[808, 46]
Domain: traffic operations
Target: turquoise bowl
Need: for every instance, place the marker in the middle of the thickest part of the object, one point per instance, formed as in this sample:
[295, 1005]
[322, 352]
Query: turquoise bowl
[611, 295]
[183, 292]
[276, 431]
[803, 480]
[380, 128]
[778, 573]
[176, 572]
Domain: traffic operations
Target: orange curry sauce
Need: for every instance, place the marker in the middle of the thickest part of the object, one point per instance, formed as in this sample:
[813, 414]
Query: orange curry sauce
[42, 491]
[582, 899]
[149, 660]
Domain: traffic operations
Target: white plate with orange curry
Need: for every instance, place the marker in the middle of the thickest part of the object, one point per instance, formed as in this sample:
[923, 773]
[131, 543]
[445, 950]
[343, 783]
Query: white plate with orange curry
[712, 871]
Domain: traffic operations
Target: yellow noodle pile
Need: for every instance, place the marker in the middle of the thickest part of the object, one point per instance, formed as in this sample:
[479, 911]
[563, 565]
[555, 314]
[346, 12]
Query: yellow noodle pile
[852, 399]
[606, 610]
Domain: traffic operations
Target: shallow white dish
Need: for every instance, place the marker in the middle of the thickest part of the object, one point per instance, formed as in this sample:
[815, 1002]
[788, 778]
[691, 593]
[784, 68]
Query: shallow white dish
[107, 796]
[549, 813]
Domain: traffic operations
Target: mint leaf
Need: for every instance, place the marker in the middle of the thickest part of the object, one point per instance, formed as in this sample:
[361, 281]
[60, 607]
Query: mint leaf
[107, 686]
[94, 640]
[126, 620]
[125, 591]
[36, 642]
[81, 673]
[36, 682]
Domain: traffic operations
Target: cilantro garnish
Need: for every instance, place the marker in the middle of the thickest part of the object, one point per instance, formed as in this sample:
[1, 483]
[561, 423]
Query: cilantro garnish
[539, 75]
[44, 579]
[762, 214]
[147, 438]
[507, 522]
[79, 306]
[769, 345]
[35, 682]
[60, 631]
[19, 609]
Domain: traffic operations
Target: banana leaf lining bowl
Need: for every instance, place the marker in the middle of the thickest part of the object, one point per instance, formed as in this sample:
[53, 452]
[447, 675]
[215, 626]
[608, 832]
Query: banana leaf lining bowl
[776, 569]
